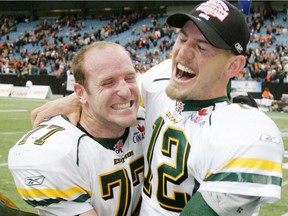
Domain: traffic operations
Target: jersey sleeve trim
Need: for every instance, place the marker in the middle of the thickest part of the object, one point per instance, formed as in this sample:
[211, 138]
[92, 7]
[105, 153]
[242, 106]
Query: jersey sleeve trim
[39, 197]
[245, 177]
[254, 163]
[46, 202]
[252, 170]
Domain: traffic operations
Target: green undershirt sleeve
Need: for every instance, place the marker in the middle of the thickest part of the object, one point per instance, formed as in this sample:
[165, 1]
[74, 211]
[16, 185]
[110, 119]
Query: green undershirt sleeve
[197, 206]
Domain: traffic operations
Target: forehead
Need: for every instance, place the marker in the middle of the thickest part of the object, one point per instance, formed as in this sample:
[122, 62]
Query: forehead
[110, 59]
[190, 29]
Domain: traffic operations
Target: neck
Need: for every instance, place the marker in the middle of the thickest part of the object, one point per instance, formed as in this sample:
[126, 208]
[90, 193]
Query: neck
[100, 130]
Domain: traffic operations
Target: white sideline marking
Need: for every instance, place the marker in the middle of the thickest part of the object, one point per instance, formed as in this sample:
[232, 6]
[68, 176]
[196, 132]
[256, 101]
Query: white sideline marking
[14, 110]
[7, 133]
[3, 164]
[286, 214]
[284, 133]
[284, 183]
[285, 166]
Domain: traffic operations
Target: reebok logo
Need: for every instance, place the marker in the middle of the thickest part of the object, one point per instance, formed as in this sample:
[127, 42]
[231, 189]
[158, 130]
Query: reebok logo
[34, 180]
[268, 138]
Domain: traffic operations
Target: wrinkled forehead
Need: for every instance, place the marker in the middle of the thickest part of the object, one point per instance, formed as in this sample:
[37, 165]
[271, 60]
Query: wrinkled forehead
[108, 57]
[108, 62]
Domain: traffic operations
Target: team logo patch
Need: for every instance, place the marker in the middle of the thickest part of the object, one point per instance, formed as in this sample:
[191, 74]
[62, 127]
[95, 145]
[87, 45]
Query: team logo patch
[141, 128]
[179, 106]
[122, 159]
[118, 146]
[140, 134]
[34, 180]
[199, 117]
[202, 112]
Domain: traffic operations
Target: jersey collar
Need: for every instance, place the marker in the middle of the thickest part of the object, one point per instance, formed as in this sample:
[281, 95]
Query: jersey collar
[108, 143]
[195, 105]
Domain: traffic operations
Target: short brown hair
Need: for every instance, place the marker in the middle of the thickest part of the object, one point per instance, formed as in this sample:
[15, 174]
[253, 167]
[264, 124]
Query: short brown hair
[77, 65]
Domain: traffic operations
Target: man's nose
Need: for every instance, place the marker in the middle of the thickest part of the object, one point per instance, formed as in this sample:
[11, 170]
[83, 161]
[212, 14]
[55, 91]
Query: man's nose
[187, 50]
[123, 89]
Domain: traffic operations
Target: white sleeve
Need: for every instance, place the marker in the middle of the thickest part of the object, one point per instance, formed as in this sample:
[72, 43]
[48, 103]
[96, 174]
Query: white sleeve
[231, 204]
[245, 156]
[58, 190]
[46, 174]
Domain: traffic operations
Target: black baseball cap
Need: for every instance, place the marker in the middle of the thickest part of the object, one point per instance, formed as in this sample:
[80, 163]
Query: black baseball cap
[222, 24]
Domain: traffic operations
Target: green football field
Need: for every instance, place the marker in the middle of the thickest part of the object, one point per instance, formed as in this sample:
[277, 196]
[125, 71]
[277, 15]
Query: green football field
[15, 121]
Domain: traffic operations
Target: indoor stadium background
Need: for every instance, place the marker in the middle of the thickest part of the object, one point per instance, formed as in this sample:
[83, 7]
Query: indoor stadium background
[38, 39]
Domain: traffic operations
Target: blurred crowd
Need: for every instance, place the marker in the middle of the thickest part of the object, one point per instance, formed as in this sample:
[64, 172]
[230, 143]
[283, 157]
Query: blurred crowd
[267, 57]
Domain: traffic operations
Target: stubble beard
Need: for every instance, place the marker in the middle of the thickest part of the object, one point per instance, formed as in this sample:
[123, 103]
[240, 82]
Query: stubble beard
[173, 92]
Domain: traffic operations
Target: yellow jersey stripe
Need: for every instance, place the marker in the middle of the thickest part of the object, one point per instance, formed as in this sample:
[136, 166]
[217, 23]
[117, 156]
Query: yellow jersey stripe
[253, 163]
[49, 192]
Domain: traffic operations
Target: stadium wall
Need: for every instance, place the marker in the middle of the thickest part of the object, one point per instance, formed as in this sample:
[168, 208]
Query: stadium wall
[56, 84]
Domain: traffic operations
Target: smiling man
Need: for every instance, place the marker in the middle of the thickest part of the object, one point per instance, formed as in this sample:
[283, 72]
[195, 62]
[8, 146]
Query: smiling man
[205, 155]
[95, 168]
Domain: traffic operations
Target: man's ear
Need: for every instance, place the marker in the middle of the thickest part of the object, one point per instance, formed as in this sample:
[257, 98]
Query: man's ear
[234, 65]
[80, 92]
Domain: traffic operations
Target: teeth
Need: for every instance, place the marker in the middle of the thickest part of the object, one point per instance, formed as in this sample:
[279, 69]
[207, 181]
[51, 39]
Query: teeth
[185, 69]
[121, 106]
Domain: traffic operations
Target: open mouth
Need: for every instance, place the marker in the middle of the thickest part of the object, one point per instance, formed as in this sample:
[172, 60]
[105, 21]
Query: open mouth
[183, 72]
[123, 106]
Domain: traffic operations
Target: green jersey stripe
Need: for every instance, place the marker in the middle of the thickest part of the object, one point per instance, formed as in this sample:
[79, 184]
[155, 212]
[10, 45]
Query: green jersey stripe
[47, 202]
[245, 177]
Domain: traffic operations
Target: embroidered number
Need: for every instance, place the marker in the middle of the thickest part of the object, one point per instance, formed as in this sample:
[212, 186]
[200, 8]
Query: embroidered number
[173, 173]
[147, 179]
[40, 141]
[119, 178]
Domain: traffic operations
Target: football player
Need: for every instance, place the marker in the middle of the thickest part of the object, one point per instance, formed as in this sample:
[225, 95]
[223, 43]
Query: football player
[96, 167]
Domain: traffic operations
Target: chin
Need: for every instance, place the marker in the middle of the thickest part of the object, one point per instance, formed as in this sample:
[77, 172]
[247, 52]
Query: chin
[131, 117]
[128, 122]
[173, 92]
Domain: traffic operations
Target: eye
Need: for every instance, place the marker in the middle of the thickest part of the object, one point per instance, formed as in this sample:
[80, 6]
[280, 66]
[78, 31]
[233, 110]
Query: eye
[182, 38]
[131, 78]
[107, 82]
[202, 48]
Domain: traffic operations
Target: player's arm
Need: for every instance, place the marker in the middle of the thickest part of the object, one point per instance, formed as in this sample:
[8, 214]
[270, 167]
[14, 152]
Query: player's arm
[89, 213]
[214, 203]
[197, 206]
[67, 106]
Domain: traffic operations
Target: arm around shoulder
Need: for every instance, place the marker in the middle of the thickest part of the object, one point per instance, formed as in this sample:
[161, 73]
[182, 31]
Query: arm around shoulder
[67, 106]
[91, 212]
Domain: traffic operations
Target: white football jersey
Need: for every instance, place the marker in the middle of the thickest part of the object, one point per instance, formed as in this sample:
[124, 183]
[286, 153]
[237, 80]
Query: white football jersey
[61, 170]
[208, 145]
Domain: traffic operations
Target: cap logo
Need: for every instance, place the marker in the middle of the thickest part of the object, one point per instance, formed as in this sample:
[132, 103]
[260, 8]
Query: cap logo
[238, 47]
[216, 9]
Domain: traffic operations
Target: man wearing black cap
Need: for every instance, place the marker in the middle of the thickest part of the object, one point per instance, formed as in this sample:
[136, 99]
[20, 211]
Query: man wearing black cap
[205, 155]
